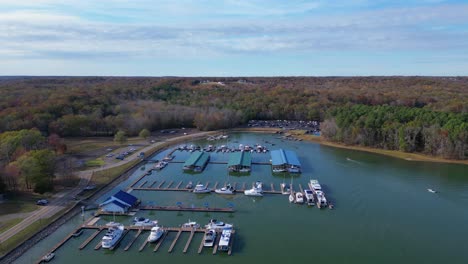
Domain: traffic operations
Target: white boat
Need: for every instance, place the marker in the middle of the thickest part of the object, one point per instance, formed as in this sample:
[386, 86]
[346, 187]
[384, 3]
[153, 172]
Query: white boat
[210, 237]
[256, 190]
[160, 165]
[112, 223]
[191, 224]
[244, 170]
[48, 257]
[286, 188]
[228, 189]
[299, 198]
[291, 197]
[189, 185]
[279, 170]
[200, 188]
[321, 200]
[217, 225]
[431, 191]
[223, 244]
[141, 221]
[315, 186]
[155, 234]
[112, 235]
[309, 195]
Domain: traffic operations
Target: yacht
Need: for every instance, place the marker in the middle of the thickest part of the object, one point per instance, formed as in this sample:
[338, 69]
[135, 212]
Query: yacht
[141, 221]
[160, 165]
[155, 234]
[309, 195]
[299, 198]
[191, 224]
[217, 225]
[315, 186]
[200, 188]
[431, 191]
[321, 200]
[223, 244]
[210, 237]
[228, 189]
[256, 190]
[112, 235]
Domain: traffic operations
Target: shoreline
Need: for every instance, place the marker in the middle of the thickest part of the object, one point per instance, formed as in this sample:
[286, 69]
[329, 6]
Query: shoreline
[391, 153]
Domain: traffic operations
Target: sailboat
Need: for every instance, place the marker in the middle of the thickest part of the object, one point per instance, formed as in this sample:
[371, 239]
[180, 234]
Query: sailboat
[292, 197]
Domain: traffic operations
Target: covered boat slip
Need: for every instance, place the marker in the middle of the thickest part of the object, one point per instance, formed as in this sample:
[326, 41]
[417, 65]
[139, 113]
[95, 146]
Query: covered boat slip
[285, 160]
[197, 161]
[240, 161]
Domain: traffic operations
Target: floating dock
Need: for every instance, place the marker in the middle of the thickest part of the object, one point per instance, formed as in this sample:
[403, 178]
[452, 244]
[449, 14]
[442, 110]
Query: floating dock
[140, 230]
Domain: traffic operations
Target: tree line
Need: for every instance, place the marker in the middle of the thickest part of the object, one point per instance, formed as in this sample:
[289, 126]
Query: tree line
[400, 128]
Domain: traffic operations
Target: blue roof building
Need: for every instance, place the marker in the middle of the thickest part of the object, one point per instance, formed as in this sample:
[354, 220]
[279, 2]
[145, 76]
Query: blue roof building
[285, 161]
[120, 202]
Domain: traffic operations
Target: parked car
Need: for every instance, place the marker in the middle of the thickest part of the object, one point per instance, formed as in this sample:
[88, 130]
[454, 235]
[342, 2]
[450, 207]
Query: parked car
[120, 157]
[42, 202]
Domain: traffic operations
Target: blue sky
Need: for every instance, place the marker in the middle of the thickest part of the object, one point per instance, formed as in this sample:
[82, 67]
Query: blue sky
[233, 38]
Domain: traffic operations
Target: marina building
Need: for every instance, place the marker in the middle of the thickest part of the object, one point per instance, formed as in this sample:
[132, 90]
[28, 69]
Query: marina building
[285, 161]
[120, 202]
[240, 161]
[196, 162]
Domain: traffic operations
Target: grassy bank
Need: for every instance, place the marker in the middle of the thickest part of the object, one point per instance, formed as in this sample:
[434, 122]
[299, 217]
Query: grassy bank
[5, 225]
[28, 232]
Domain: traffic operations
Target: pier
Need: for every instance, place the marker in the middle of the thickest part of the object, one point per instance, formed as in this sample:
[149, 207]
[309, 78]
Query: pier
[192, 209]
[140, 230]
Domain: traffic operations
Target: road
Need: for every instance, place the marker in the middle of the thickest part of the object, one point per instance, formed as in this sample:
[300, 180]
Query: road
[60, 200]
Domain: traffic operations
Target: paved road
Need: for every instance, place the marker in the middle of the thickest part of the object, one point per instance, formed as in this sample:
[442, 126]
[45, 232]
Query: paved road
[60, 200]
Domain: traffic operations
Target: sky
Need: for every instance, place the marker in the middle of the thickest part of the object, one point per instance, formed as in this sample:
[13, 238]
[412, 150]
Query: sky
[233, 37]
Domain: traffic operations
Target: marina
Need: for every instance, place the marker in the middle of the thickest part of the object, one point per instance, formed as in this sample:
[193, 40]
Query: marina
[367, 192]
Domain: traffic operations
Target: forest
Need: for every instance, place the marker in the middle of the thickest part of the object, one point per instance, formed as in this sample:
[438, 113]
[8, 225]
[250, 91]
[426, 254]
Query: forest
[413, 114]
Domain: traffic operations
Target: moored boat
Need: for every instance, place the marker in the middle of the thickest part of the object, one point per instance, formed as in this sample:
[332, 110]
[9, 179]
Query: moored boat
[228, 189]
[112, 235]
[48, 257]
[141, 221]
[256, 190]
[321, 199]
[299, 198]
[155, 234]
[191, 224]
[223, 244]
[200, 188]
[217, 225]
[210, 237]
[291, 197]
[189, 185]
[309, 195]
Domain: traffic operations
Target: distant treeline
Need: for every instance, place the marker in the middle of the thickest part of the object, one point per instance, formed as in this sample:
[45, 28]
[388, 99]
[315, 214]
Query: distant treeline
[100, 106]
[400, 128]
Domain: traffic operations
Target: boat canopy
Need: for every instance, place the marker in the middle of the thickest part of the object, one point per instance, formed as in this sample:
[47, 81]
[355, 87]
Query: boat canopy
[284, 157]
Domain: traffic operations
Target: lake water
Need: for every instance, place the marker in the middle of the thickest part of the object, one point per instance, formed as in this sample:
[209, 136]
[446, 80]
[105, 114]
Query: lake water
[383, 212]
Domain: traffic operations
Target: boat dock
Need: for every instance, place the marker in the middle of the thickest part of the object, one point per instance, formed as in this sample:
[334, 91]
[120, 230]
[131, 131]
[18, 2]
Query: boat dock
[180, 187]
[140, 230]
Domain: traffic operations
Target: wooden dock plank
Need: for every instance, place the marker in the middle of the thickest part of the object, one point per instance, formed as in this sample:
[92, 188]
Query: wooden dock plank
[153, 184]
[98, 246]
[207, 184]
[178, 185]
[159, 186]
[141, 185]
[175, 241]
[243, 186]
[160, 241]
[169, 186]
[87, 241]
[215, 186]
[143, 245]
[190, 209]
[200, 248]
[272, 187]
[133, 240]
[231, 243]
[300, 188]
[215, 248]
[188, 241]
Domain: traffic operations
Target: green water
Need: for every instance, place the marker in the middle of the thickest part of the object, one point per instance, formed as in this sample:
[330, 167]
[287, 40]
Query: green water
[383, 213]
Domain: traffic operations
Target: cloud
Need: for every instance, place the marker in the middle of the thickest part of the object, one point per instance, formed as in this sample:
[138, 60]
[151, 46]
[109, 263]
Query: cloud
[237, 27]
